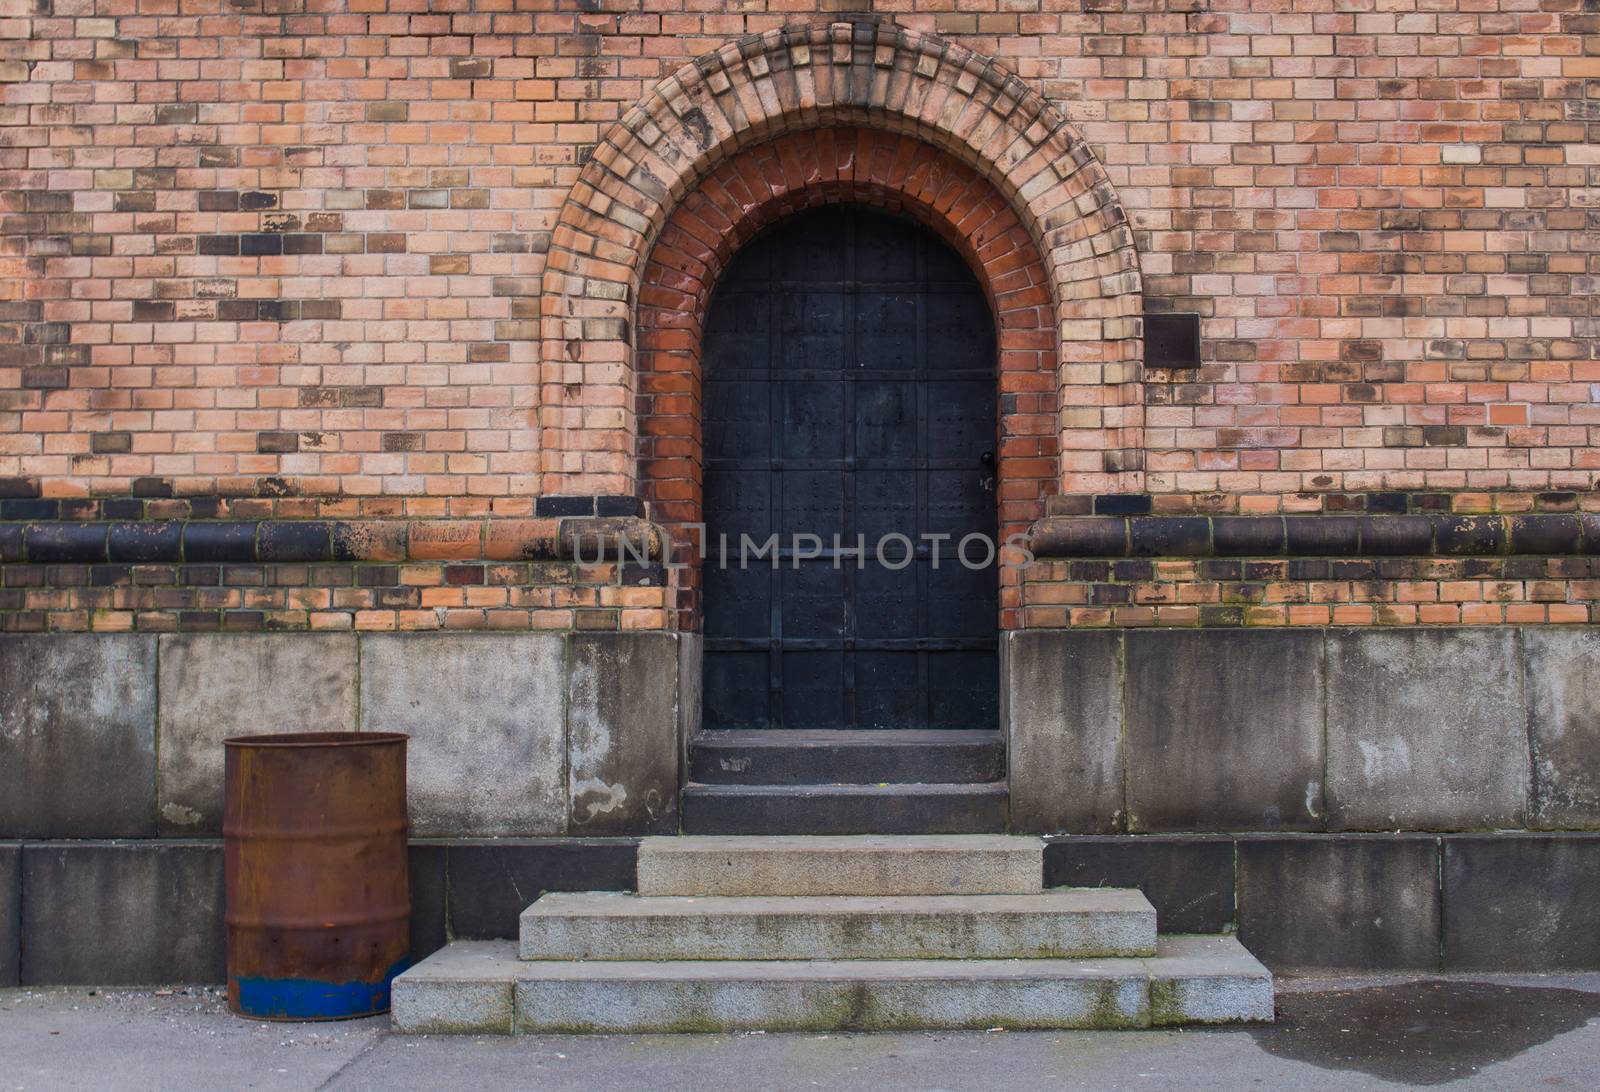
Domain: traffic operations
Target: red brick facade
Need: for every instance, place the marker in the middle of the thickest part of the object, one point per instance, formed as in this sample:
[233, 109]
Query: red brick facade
[371, 259]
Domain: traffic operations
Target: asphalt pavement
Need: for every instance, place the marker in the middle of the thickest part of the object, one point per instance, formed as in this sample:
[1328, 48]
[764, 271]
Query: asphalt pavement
[1365, 1032]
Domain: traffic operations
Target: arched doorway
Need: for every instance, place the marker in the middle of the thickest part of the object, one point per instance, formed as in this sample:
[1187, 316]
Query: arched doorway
[849, 394]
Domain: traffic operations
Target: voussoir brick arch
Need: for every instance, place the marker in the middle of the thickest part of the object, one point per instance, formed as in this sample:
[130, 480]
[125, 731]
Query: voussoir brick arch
[771, 181]
[874, 75]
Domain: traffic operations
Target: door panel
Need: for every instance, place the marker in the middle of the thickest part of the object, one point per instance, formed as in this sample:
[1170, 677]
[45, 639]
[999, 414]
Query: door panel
[849, 390]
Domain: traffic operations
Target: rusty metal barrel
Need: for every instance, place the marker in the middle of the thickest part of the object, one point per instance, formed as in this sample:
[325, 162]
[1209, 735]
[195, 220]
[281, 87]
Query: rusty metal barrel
[318, 893]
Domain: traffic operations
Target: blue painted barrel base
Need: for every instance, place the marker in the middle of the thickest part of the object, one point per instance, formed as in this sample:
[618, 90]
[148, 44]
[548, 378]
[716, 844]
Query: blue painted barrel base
[309, 999]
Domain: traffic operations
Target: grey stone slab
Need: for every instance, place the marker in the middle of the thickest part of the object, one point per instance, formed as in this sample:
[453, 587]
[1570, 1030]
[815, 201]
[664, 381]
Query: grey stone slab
[845, 809]
[827, 995]
[1065, 924]
[491, 882]
[1340, 900]
[1562, 675]
[426, 864]
[1188, 878]
[1224, 730]
[623, 725]
[484, 713]
[1061, 711]
[691, 677]
[10, 913]
[215, 686]
[77, 735]
[1522, 902]
[122, 913]
[1426, 730]
[862, 864]
[466, 989]
[1191, 980]
[1208, 980]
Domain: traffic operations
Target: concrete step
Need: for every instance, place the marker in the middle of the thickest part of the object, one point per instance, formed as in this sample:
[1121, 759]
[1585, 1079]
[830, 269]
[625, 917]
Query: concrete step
[845, 809]
[483, 988]
[841, 865]
[1062, 924]
[911, 756]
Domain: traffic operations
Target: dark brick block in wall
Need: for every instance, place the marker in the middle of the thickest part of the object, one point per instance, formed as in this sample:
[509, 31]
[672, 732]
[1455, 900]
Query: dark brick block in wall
[1188, 879]
[10, 913]
[78, 749]
[564, 506]
[491, 883]
[1523, 902]
[122, 913]
[1340, 901]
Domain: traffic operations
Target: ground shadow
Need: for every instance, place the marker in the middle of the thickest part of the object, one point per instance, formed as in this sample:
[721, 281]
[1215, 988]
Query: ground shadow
[1427, 1032]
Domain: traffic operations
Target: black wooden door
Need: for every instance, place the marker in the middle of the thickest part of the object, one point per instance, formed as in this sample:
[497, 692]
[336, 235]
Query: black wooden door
[849, 390]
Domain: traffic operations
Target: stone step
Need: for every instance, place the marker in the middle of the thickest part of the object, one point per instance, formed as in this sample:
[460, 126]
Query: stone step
[481, 987]
[984, 864]
[901, 756]
[845, 809]
[1066, 923]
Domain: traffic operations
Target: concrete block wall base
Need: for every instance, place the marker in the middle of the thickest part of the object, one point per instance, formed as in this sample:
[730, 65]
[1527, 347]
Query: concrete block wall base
[1427, 902]
[1510, 901]
[149, 912]
[1376, 729]
[870, 961]
[10, 913]
[512, 734]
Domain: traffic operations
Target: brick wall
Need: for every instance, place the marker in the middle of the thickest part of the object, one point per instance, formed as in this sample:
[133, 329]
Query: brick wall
[284, 249]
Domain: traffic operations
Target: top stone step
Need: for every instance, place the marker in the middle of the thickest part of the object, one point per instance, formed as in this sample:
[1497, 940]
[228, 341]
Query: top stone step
[860, 864]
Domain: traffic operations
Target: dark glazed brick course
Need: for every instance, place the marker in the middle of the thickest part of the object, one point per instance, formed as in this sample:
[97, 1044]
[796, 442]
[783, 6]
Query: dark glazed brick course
[1247, 536]
[283, 541]
[1376, 535]
[66, 542]
[1473, 535]
[1170, 536]
[1323, 536]
[135, 542]
[219, 541]
[1396, 536]
[1546, 534]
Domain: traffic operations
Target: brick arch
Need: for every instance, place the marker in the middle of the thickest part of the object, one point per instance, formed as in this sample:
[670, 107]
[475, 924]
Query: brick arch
[770, 181]
[797, 79]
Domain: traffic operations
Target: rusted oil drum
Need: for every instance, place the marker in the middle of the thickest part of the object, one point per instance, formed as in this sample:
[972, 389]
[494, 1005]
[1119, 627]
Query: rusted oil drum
[318, 896]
